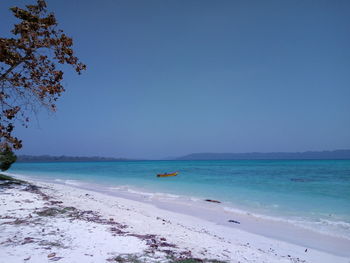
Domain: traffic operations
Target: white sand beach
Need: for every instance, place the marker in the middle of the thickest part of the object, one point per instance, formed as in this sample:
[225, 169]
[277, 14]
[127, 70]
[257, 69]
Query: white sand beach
[56, 222]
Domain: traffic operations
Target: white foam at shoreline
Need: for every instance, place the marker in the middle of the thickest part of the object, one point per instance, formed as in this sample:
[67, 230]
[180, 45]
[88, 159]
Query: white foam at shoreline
[95, 243]
[299, 222]
[69, 182]
[327, 225]
[323, 226]
[128, 189]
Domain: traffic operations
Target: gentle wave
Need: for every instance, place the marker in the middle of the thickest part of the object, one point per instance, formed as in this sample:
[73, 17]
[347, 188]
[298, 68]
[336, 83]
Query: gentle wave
[130, 190]
[328, 227]
[69, 182]
[323, 226]
[344, 225]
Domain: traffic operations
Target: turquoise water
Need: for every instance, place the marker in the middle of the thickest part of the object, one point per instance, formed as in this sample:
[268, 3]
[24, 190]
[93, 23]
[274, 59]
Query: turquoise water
[314, 192]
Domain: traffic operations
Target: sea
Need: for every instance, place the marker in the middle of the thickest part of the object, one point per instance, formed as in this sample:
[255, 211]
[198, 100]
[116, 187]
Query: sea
[310, 193]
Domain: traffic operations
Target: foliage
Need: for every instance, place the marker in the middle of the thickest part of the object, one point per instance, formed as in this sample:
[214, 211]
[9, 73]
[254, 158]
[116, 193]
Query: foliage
[31, 64]
[197, 260]
[6, 180]
[7, 158]
[126, 259]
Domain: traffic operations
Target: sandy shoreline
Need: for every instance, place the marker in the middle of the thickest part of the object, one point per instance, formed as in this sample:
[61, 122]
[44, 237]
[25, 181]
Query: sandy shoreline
[101, 227]
[221, 214]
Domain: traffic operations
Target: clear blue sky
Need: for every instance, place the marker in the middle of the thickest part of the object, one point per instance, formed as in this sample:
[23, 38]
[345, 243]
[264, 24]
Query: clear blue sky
[167, 78]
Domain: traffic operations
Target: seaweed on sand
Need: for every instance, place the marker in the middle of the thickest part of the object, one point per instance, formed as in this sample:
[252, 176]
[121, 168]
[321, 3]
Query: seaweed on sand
[196, 260]
[54, 211]
[6, 180]
[130, 258]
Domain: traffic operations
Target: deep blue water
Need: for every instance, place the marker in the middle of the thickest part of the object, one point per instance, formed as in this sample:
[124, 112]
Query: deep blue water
[316, 191]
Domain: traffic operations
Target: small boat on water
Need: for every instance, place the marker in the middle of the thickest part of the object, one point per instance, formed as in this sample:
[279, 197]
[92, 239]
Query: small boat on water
[167, 175]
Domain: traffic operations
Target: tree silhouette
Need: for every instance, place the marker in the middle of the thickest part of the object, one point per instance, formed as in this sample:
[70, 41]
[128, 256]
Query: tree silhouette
[31, 64]
[7, 158]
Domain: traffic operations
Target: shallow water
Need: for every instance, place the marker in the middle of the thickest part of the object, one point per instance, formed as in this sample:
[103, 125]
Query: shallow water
[311, 193]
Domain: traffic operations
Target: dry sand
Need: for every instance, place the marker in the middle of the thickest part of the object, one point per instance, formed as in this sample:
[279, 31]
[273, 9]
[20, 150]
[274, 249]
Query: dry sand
[66, 224]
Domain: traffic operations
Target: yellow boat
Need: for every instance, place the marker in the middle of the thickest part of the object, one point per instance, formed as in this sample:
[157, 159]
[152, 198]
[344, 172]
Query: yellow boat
[167, 175]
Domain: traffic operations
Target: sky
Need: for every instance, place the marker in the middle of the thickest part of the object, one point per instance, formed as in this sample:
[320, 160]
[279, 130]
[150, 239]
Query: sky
[168, 78]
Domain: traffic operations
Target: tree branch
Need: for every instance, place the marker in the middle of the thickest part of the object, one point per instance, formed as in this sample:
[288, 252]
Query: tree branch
[3, 76]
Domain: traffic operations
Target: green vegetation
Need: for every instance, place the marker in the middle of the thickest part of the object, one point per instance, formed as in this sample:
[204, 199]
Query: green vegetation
[9, 180]
[197, 260]
[47, 243]
[126, 259]
[54, 211]
[7, 158]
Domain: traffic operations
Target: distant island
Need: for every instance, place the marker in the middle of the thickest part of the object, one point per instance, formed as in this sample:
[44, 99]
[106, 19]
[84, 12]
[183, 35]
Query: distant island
[309, 155]
[63, 158]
